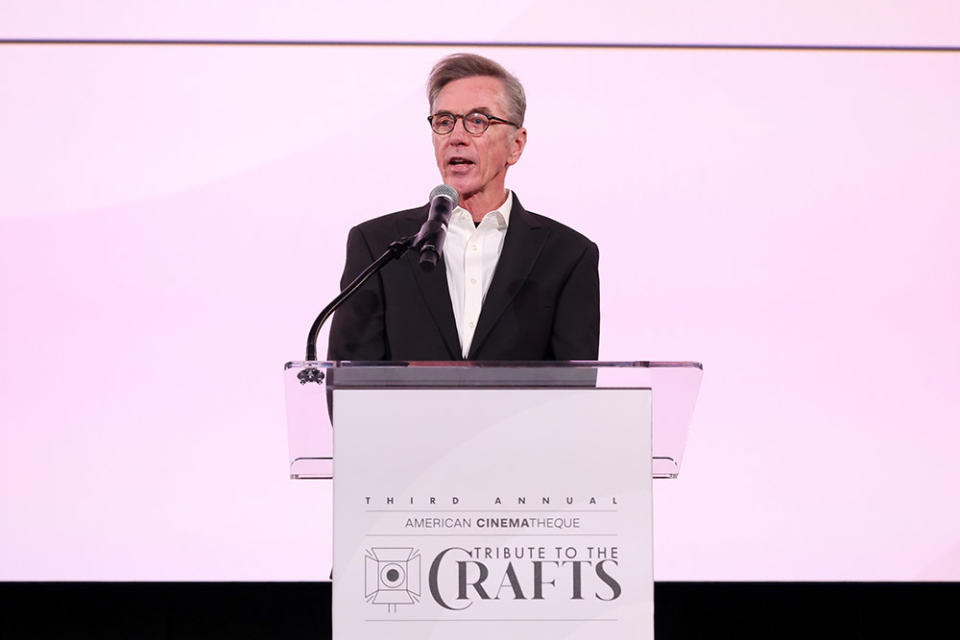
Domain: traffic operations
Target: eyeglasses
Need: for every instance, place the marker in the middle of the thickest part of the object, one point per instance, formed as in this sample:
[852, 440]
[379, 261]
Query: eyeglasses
[474, 123]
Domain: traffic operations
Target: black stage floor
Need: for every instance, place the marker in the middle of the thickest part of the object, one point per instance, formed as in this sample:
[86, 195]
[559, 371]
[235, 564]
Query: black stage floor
[684, 610]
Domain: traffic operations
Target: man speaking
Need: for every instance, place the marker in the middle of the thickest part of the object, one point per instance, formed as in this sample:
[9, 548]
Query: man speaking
[510, 285]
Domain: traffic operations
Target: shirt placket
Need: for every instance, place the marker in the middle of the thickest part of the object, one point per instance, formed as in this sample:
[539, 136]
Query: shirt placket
[472, 284]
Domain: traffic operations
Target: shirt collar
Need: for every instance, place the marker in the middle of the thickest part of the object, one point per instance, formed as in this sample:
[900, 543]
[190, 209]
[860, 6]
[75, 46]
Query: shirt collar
[501, 214]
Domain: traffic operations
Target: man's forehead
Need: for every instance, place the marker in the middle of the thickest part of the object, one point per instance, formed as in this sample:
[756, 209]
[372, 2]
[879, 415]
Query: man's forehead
[476, 93]
[464, 111]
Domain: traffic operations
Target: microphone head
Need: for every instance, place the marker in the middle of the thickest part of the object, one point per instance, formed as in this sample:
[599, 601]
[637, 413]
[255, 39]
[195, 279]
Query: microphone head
[446, 191]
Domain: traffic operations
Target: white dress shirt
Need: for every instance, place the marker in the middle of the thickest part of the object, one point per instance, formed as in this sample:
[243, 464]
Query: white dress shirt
[471, 254]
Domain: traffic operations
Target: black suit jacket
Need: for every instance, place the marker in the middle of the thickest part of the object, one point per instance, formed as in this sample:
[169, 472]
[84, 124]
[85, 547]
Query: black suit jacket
[543, 302]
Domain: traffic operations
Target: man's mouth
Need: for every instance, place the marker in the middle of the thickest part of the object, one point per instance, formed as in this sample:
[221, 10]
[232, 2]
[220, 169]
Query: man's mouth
[458, 162]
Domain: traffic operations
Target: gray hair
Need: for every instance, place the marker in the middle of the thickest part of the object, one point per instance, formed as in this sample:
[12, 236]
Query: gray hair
[469, 65]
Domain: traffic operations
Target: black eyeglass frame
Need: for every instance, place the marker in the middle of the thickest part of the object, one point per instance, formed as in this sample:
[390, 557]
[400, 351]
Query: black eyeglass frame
[489, 120]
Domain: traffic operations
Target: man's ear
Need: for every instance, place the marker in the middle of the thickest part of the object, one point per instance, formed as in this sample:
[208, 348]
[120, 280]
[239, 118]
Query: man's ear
[516, 145]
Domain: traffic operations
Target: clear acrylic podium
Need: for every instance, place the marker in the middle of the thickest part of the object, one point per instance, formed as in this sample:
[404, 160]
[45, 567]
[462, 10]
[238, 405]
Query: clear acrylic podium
[675, 386]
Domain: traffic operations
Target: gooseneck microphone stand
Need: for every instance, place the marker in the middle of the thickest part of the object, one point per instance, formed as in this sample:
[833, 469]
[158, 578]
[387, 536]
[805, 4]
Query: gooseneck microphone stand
[393, 252]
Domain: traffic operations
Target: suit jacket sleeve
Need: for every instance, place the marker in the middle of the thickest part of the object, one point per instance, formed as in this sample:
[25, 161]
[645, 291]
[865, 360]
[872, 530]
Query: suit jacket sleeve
[358, 329]
[576, 327]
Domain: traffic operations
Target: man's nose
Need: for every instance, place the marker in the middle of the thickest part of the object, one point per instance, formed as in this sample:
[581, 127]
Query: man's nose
[459, 134]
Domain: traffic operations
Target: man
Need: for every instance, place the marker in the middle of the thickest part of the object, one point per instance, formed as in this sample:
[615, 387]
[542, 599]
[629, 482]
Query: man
[513, 285]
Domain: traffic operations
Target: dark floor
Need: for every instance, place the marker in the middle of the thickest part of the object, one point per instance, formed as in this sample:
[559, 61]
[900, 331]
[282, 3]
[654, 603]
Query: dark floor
[714, 610]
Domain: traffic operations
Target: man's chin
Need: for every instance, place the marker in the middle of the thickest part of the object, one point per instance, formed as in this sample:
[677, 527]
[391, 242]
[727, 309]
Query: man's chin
[464, 187]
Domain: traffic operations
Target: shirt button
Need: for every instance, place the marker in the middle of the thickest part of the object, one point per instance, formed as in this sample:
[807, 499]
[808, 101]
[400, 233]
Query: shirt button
[473, 247]
[471, 325]
[473, 281]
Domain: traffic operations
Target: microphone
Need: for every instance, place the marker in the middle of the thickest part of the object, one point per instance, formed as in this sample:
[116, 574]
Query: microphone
[443, 199]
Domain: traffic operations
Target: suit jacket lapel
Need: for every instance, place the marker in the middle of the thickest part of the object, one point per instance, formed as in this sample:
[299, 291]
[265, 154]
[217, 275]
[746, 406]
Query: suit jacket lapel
[433, 286]
[521, 248]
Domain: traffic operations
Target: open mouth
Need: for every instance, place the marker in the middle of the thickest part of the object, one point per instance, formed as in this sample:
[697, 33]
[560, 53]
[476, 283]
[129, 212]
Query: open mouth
[459, 162]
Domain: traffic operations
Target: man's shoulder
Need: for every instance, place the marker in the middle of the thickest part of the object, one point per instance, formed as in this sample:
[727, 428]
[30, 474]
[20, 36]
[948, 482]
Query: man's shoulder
[377, 233]
[558, 230]
[391, 220]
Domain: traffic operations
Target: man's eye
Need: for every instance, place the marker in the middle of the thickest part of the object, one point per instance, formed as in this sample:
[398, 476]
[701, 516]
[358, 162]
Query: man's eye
[477, 119]
[444, 121]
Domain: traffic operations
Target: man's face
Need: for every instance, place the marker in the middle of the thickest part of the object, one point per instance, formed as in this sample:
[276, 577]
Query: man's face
[476, 165]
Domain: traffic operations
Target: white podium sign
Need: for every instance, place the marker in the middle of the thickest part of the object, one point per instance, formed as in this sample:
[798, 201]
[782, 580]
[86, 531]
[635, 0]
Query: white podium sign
[492, 513]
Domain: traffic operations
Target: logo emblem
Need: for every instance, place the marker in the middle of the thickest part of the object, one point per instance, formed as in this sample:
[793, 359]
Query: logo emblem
[392, 576]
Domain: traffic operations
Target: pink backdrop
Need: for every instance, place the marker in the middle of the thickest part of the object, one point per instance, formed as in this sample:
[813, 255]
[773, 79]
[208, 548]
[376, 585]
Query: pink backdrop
[172, 218]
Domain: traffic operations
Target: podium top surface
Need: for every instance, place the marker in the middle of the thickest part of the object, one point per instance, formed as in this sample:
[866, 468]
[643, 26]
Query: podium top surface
[501, 364]
[473, 373]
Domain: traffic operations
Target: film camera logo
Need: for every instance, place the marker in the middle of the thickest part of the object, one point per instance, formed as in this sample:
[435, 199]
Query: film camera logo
[392, 576]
